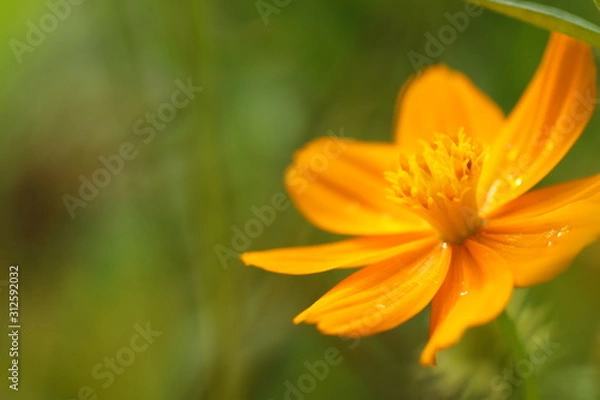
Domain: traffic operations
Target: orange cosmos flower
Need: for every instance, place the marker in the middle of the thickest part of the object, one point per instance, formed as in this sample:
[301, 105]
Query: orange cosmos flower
[442, 215]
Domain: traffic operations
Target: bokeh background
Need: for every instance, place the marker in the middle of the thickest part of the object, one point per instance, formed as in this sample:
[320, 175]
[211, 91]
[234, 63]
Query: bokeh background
[142, 250]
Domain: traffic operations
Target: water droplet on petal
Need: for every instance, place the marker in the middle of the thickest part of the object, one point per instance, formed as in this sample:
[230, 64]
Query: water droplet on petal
[518, 182]
[514, 238]
[381, 306]
[564, 230]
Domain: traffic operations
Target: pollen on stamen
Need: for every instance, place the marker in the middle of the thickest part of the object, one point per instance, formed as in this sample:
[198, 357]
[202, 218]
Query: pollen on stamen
[439, 182]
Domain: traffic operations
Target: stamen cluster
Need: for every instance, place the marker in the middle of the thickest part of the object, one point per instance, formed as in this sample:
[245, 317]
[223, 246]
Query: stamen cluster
[440, 184]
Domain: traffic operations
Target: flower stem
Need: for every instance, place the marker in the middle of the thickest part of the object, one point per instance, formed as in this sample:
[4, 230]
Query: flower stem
[510, 332]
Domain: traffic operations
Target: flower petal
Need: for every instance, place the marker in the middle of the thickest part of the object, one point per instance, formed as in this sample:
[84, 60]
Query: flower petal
[441, 100]
[339, 186]
[344, 254]
[383, 295]
[545, 123]
[548, 199]
[540, 233]
[476, 290]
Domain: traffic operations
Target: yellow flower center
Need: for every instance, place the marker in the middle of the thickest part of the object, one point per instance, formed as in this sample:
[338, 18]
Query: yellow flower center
[440, 184]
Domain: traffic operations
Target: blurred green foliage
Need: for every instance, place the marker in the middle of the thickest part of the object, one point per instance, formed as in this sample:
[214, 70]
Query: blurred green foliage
[143, 249]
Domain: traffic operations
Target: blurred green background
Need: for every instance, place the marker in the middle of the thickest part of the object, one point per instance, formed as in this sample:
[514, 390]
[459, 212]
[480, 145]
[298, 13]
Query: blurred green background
[142, 250]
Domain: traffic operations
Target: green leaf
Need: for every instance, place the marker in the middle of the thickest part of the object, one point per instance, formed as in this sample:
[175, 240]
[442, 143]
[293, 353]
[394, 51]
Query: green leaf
[547, 17]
